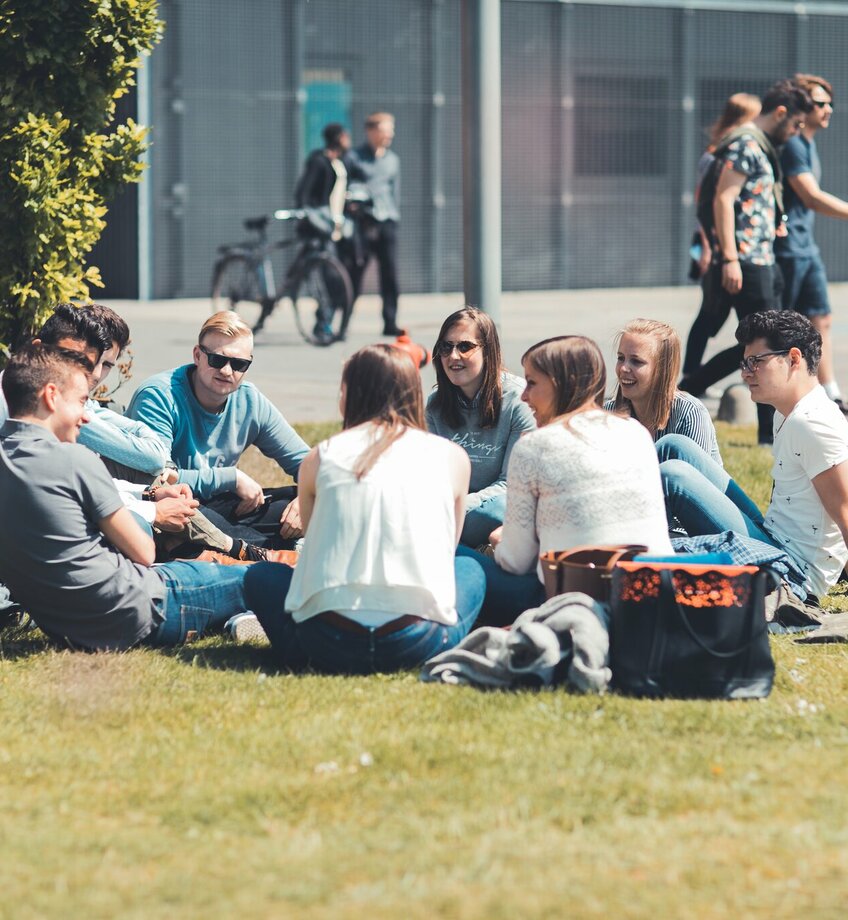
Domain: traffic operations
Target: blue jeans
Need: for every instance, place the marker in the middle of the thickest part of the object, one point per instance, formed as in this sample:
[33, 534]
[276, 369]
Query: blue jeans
[507, 595]
[202, 595]
[482, 520]
[701, 495]
[805, 286]
[323, 645]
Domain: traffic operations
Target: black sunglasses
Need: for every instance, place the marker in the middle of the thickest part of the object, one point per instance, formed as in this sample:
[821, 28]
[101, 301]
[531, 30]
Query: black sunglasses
[819, 104]
[444, 349]
[751, 364]
[216, 361]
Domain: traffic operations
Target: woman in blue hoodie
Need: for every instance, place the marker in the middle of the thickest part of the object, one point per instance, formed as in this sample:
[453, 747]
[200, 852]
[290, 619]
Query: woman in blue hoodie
[478, 406]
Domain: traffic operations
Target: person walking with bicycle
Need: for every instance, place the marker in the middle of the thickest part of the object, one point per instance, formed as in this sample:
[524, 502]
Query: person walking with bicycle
[378, 168]
[323, 182]
[321, 188]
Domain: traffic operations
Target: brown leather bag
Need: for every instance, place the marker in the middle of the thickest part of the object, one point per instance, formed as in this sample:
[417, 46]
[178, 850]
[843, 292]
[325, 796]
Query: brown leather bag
[585, 568]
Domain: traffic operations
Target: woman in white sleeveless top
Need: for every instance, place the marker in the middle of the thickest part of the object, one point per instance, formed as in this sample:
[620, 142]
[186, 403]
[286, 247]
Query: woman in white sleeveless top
[585, 476]
[377, 586]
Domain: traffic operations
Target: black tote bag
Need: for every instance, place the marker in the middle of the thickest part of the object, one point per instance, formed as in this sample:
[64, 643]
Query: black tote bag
[696, 631]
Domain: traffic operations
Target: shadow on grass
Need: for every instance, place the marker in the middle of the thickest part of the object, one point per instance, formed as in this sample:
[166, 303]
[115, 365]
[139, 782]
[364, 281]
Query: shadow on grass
[222, 655]
[219, 654]
[19, 643]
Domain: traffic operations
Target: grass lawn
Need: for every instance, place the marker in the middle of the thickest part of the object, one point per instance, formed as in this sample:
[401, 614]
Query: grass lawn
[199, 783]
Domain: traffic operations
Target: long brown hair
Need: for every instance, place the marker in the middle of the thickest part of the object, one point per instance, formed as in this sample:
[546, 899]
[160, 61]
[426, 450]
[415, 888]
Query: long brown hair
[666, 343]
[382, 385]
[447, 399]
[576, 367]
[738, 109]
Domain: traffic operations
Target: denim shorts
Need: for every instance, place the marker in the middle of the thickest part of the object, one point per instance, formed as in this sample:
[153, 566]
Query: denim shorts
[805, 286]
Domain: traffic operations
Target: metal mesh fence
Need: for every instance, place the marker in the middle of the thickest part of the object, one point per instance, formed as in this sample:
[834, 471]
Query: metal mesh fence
[604, 116]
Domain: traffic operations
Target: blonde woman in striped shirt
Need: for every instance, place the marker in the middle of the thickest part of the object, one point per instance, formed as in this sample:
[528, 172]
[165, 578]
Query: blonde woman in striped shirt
[647, 367]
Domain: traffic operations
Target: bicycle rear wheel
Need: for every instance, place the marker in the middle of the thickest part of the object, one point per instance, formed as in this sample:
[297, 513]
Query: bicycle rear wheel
[322, 298]
[235, 286]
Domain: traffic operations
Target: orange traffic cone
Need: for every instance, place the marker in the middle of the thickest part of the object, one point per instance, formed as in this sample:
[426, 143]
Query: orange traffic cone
[418, 353]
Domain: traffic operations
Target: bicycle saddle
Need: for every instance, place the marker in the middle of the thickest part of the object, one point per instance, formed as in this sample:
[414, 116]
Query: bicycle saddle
[256, 223]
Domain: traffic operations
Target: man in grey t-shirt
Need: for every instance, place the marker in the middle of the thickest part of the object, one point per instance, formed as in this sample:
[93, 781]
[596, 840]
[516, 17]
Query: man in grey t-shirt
[378, 168]
[76, 558]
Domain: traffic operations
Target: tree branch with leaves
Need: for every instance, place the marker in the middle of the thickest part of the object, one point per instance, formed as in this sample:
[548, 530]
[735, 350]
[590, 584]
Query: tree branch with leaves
[63, 157]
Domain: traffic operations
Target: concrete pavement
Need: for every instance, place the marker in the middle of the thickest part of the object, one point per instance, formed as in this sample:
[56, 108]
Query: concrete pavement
[304, 381]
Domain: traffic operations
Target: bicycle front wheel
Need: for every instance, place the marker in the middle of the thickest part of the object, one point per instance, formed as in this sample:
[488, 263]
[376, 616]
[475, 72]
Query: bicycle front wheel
[235, 286]
[322, 297]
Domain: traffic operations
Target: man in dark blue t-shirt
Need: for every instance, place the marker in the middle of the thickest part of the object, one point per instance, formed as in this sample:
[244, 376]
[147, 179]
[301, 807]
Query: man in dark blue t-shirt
[805, 281]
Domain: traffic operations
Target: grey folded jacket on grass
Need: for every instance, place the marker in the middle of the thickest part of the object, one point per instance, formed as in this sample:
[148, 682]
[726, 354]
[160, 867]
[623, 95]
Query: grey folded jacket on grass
[564, 640]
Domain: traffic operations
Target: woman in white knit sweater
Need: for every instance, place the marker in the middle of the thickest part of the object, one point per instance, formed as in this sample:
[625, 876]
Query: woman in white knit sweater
[585, 476]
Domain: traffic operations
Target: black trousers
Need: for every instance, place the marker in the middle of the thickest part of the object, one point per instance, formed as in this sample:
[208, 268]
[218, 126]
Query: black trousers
[262, 526]
[711, 317]
[379, 240]
[762, 286]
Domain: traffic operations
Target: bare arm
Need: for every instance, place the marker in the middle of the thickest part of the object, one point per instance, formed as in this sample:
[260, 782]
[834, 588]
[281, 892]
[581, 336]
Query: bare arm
[122, 531]
[460, 478]
[832, 489]
[306, 476]
[807, 189]
[728, 189]
[291, 525]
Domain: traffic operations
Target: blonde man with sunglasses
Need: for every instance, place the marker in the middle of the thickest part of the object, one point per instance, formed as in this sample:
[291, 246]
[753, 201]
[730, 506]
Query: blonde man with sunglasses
[208, 415]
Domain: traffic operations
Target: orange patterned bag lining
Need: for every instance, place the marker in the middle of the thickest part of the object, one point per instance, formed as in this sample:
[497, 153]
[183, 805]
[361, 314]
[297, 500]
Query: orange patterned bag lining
[682, 566]
[695, 586]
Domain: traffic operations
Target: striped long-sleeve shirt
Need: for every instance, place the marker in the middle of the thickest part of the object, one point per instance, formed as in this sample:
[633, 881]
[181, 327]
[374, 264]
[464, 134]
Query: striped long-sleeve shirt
[690, 418]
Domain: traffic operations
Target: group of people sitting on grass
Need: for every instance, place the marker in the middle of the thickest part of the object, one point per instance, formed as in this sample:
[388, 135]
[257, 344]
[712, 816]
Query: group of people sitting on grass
[411, 524]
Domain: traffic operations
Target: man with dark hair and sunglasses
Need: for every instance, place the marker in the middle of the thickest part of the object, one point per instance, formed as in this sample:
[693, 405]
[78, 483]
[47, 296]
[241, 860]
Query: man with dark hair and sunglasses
[807, 516]
[747, 209]
[804, 277]
[208, 415]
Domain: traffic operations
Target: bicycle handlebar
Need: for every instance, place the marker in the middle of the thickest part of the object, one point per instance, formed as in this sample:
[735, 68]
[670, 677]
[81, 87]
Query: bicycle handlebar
[289, 214]
[259, 224]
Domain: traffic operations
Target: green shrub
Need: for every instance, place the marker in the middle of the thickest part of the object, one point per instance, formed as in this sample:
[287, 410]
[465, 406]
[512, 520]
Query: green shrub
[63, 65]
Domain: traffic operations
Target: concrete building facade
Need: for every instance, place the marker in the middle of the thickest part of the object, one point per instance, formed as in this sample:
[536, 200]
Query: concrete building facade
[605, 106]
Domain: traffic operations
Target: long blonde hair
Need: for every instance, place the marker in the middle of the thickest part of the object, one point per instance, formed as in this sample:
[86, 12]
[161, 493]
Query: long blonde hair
[666, 371]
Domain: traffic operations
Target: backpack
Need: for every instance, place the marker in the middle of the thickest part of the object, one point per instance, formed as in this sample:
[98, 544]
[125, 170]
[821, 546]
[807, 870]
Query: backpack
[707, 190]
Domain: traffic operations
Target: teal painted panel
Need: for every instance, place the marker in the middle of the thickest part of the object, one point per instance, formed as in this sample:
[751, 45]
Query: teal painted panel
[325, 102]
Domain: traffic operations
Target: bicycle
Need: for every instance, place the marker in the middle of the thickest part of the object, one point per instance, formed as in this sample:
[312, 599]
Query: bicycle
[316, 282]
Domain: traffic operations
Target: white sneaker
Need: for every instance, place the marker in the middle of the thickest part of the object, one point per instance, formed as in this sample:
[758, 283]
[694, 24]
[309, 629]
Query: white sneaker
[245, 627]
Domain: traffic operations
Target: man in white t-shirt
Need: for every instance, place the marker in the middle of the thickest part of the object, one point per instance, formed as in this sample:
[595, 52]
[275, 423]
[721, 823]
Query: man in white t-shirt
[807, 516]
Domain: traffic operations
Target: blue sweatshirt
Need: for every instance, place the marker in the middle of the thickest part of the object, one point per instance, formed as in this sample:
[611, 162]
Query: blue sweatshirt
[487, 448]
[116, 437]
[123, 440]
[207, 445]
